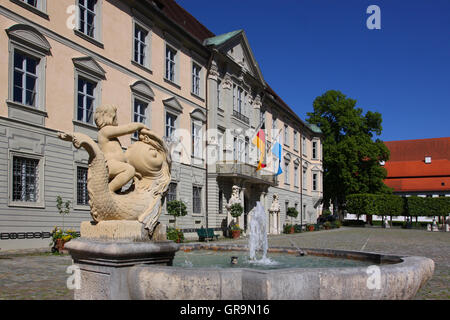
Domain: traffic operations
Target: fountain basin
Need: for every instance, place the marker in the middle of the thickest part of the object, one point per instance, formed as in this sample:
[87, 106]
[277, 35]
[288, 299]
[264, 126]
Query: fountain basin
[393, 277]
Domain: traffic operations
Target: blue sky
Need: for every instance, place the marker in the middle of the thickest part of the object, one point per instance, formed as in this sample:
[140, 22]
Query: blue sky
[306, 47]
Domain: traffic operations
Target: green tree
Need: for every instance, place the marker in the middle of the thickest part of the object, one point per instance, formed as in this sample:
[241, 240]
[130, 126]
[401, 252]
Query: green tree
[176, 208]
[351, 154]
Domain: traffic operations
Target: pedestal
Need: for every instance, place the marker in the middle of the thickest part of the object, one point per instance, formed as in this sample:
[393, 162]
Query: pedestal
[105, 259]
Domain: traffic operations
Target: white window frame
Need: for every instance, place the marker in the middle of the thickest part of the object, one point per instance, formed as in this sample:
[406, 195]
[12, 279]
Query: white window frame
[286, 172]
[96, 37]
[296, 176]
[314, 149]
[305, 178]
[40, 8]
[197, 140]
[139, 117]
[304, 146]
[172, 126]
[40, 201]
[200, 199]
[286, 135]
[171, 64]
[76, 205]
[315, 181]
[295, 140]
[146, 42]
[196, 78]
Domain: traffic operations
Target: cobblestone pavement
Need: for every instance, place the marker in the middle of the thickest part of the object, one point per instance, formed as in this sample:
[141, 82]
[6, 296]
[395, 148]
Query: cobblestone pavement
[42, 275]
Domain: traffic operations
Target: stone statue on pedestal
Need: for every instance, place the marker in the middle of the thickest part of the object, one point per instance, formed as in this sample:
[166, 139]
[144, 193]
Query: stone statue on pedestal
[274, 215]
[147, 162]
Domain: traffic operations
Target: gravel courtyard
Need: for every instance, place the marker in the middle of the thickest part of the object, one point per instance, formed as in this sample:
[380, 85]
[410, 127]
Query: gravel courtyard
[40, 275]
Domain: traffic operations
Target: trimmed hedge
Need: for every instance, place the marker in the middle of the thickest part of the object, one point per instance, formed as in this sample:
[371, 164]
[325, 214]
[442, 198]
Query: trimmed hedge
[375, 204]
[392, 205]
[418, 206]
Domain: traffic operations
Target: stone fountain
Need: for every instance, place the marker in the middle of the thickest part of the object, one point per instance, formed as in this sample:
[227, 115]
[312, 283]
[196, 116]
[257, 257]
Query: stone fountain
[123, 252]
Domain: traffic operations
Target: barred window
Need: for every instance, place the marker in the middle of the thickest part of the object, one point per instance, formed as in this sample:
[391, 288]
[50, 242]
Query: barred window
[82, 192]
[197, 200]
[25, 179]
[172, 193]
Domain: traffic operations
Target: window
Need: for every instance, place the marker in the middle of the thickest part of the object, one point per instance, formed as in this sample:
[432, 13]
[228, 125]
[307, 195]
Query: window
[246, 151]
[26, 79]
[170, 124]
[314, 150]
[295, 140]
[239, 100]
[235, 98]
[235, 156]
[25, 179]
[196, 200]
[286, 135]
[87, 17]
[220, 146]
[170, 63]
[304, 212]
[196, 79]
[196, 140]
[304, 150]
[286, 172]
[304, 178]
[296, 176]
[314, 182]
[33, 3]
[82, 191]
[172, 192]
[220, 201]
[86, 100]
[139, 113]
[140, 45]
[274, 130]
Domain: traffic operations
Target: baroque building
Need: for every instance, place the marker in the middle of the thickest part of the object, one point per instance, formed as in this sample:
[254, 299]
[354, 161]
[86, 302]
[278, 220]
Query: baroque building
[60, 60]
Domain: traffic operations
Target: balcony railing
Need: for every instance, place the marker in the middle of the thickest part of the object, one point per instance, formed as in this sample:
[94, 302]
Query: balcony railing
[241, 117]
[245, 170]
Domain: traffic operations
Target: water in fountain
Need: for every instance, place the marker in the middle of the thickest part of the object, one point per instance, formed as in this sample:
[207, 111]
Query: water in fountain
[257, 240]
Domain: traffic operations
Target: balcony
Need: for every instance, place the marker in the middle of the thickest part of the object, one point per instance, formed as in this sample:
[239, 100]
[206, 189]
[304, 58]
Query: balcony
[241, 117]
[245, 171]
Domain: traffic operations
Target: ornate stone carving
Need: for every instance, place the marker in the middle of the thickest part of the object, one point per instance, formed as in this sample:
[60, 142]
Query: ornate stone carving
[235, 198]
[275, 207]
[147, 162]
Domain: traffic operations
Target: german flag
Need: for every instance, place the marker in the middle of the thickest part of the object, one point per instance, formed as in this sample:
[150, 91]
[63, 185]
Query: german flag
[260, 142]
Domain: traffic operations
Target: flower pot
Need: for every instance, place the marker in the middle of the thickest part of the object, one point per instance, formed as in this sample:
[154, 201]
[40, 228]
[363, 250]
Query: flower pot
[310, 228]
[235, 234]
[60, 245]
[291, 230]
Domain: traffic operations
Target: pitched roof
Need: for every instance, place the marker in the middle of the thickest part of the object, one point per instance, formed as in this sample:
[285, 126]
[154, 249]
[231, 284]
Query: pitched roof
[222, 38]
[184, 19]
[407, 170]
[416, 150]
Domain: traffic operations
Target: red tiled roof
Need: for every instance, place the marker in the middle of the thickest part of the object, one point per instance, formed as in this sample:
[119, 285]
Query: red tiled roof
[419, 184]
[184, 19]
[407, 170]
[416, 150]
[398, 169]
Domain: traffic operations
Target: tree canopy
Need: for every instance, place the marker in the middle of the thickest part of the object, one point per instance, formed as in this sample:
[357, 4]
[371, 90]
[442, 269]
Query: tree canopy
[351, 154]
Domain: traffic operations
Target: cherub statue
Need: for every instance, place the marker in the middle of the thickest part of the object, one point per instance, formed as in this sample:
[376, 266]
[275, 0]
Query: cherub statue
[120, 171]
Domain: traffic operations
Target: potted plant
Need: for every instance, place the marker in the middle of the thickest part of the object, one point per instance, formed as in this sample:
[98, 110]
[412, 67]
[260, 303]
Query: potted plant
[175, 234]
[236, 210]
[176, 208]
[60, 238]
[293, 213]
[288, 228]
[235, 231]
[310, 227]
[327, 225]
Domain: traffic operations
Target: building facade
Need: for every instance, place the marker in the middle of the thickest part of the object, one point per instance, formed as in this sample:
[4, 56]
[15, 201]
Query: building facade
[419, 167]
[204, 93]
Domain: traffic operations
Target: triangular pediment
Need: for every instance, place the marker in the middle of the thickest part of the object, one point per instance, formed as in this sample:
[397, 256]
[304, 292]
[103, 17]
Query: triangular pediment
[29, 36]
[198, 114]
[236, 46]
[142, 88]
[173, 104]
[89, 65]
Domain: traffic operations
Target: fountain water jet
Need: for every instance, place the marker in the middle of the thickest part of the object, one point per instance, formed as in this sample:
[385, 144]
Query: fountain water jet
[258, 235]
